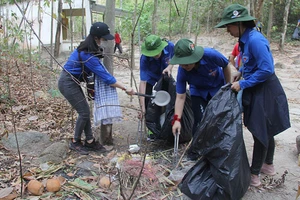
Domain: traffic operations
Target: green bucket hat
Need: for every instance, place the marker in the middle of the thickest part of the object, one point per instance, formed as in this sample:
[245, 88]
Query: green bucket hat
[185, 52]
[153, 45]
[235, 13]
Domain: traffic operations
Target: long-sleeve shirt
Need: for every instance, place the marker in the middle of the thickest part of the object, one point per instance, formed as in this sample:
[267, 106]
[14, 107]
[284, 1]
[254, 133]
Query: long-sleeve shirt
[91, 64]
[258, 64]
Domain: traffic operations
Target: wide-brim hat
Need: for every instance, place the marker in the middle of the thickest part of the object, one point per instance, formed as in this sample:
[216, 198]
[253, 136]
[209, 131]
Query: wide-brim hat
[235, 13]
[185, 52]
[153, 46]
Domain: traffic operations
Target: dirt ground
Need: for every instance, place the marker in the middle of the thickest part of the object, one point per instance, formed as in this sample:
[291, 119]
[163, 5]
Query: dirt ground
[287, 67]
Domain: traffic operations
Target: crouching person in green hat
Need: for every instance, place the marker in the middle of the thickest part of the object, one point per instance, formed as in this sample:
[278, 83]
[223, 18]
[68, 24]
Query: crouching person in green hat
[206, 71]
[154, 61]
[264, 101]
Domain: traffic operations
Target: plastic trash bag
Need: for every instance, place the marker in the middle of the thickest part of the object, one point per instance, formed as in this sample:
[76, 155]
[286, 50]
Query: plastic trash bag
[158, 119]
[223, 172]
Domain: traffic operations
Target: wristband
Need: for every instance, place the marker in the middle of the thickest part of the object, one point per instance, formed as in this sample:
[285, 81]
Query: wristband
[175, 118]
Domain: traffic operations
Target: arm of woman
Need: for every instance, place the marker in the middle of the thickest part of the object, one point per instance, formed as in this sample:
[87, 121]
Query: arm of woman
[227, 73]
[168, 70]
[179, 104]
[142, 89]
[117, 84]
[94, 64]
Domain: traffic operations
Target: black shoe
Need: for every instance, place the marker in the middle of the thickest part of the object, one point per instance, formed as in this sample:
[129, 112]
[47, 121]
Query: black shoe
[78, 147]
[191, 156]
[94, 146]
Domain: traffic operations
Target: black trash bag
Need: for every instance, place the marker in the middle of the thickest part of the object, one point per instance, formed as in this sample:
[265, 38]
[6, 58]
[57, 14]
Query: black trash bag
[223, 171]
[158, 119]
[296, 34]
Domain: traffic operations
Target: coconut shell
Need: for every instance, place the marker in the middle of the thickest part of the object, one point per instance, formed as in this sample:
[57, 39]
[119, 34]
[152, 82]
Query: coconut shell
[35, 187]
[53, 185]
[104, 182]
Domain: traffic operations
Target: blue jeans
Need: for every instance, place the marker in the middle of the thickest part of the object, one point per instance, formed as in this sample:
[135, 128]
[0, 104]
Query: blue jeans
[74, 94]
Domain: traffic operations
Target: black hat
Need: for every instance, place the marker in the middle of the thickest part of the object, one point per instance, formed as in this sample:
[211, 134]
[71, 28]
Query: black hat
[101, 30]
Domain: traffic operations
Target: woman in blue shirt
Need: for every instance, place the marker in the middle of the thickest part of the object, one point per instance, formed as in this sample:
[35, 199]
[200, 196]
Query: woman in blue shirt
[154, 62]
[84, 60]
[265, 104]
[206, 71]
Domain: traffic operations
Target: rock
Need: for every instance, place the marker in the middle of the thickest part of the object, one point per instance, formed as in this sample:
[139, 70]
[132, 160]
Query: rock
[279, 65]
[296, 62]
[32, 143]
[55, 153]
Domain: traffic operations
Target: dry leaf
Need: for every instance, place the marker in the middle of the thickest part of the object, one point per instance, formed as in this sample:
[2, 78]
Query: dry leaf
[28, 176]
[10, 197]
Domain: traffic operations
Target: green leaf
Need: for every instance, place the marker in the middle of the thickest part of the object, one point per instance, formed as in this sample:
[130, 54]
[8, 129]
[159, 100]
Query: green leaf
[82, 184]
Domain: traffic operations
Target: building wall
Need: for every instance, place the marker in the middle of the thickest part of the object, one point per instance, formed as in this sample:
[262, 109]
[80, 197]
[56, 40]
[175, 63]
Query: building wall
[7, 12]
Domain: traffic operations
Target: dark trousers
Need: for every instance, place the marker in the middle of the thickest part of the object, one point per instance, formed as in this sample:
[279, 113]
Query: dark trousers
[74, 94]
[119, 47]
[198, 105]
[148, 91]
[261, 155]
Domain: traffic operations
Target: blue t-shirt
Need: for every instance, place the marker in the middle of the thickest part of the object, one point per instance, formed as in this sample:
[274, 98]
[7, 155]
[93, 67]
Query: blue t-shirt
[206, 79]
[151, 68]
[258, 64]
[92, 64]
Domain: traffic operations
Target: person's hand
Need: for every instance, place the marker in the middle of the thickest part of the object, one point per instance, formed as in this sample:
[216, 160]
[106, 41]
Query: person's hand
[129, 91]
[236, 86]
[141, 114]
[167, 71]
[176, 128]
[237, 76]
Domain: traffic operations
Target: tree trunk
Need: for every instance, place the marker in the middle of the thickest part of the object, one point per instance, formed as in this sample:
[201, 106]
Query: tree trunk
[258, 8]
[184, 18]
[170, 19]
[154, 17]
[82, 21]
[109, 19]
[190, 21]
[58, 29]
[270, 21]
[285, 19]
[132, 57]
[40, 26]
[71, 25]
[51, 35]
[252, 7]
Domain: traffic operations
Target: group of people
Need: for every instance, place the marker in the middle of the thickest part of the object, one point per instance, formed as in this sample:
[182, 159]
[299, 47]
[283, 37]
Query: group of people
[205, 70]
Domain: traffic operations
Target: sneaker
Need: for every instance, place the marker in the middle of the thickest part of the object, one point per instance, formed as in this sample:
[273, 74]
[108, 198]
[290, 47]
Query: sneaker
[268, 169]
[78, 147]
[94, 146]
[255, 180]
